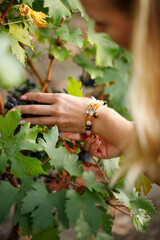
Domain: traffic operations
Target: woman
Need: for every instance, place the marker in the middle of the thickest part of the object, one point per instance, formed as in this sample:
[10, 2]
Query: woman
[139, 141]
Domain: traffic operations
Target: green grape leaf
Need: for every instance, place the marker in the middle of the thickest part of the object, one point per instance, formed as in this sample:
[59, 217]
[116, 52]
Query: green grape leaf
[17, 50]
[140, 220]
[110, 166]
[144, 184]
[24, 220]
[84, 61]
[82, 228]
[59, 157]
[18, 34]
[16, 73]
[59, 201]
[65, 2]
[73, 36]
[48, 234]
[8, 197]
[125, 197]
[29, 2]
[120, 76]
[62, 159]
[142, 203]
[109, 75]
[57, 9]
[103, 236]
[138, 207]
[49, 141]
[86, 205]
[41, 210]
[91, 184]
[107, 222]
[11, 146]
[21, 34]
[118, 90]
[105, 48]
[73, 167]
[73, 206]
[76, 5]
[74, 87]
[60, 53]
[8, 125]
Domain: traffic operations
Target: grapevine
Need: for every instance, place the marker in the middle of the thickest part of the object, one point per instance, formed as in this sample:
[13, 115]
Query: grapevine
[43, 175]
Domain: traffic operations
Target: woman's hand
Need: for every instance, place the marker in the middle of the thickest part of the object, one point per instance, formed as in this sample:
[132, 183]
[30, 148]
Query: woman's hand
[68, 113]
[63, 110]
[96, 147]
[101, 149]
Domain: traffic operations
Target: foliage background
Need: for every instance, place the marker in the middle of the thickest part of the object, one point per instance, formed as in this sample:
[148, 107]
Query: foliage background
[77, 71]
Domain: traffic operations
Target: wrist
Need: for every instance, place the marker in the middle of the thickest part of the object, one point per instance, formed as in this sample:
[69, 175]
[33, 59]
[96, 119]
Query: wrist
[114, 128]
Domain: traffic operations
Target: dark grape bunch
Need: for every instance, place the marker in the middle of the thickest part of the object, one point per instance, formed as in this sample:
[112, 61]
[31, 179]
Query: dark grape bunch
[13, 98]
[27, 87]
[12, 102]
[86, 80]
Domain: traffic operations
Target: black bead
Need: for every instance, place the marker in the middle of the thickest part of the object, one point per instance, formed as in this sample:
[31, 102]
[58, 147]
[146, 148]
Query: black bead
[95, 115]
[88, 127]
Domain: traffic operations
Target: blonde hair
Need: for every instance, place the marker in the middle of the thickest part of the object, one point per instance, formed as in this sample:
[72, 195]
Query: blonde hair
[144, 154]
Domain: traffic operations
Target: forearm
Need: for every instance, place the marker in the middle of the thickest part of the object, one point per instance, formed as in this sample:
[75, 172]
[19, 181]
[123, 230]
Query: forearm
[113, 128]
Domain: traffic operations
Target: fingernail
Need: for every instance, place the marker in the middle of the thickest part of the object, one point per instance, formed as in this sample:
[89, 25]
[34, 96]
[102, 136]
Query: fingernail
[99, 150]
[22, 122]
[24, 97]
[12, 109]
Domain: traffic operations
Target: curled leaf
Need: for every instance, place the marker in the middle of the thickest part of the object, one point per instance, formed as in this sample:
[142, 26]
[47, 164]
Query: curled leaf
[24, 9]
[38, 17]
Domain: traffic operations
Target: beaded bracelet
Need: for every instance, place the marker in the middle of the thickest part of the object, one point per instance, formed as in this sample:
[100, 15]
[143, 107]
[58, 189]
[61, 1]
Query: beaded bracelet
[90, 114]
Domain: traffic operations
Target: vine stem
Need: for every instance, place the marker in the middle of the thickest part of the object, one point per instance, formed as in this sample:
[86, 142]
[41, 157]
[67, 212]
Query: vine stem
[61, 180]
[29, 61]
[100, 170]
[45, 161]
[34, 69]
[71, 141]
[2, 112]
[48, 79]
[119, 209]
[6, 11]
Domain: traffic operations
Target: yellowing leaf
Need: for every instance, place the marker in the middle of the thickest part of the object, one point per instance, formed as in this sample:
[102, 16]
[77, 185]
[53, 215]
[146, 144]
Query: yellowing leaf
[24, 9]
[144, 183]
[17, 50]
[21, 34]
[37, 16]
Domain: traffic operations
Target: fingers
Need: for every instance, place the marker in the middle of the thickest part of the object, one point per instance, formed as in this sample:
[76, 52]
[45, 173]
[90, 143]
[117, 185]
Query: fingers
[92, 146]
[89, 142]
[74, 136]
[49, 98]
[37, 109]
[43, 121]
